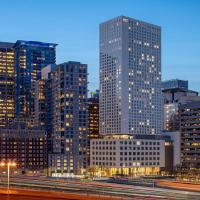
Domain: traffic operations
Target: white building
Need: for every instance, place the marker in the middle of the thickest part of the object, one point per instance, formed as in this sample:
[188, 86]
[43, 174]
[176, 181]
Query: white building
[131, 103]
[130, 77]
[125, 154]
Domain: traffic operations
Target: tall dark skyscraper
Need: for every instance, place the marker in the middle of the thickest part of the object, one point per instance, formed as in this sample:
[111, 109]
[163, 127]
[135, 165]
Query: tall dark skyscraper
[30, 58]
[7, 81]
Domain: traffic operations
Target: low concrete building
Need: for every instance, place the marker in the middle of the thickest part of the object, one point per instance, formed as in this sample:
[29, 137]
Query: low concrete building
[135, 155]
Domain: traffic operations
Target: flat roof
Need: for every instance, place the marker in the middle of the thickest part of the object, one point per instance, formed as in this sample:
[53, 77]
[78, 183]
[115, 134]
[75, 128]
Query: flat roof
[35, 44]
[6, 45]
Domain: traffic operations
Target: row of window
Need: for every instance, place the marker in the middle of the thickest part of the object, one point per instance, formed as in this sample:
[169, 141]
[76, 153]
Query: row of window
[127, 164]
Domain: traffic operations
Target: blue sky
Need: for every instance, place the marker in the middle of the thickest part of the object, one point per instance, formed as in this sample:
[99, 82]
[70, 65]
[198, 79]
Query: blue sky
[73, 24]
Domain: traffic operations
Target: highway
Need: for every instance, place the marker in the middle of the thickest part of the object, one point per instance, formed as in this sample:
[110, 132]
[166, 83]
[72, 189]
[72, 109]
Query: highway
[99, 188]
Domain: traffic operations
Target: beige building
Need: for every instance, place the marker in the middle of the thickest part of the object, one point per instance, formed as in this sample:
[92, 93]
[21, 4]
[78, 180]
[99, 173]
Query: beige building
[125, 154]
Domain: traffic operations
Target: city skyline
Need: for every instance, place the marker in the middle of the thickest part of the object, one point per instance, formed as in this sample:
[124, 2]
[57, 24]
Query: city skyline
[180, 47]
[83, 118]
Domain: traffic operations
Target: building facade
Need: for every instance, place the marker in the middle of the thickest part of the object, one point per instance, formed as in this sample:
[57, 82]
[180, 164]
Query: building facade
[7, 83]
[130, 77]
[175, 83]
[174, 95]
[172, 151]
[24, 146]
[40, 103]
[190, 141]
[130, 100]
[134, 155]
[93, 115]
[30, 58]
[68, 85]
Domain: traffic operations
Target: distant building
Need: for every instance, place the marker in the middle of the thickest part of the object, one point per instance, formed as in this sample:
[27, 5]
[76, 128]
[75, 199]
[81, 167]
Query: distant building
[93, 115]
[43, 114]
[172, 150]
[24, 146]
[7, 83]
[172, 100]
[68, 116]
[40, 103]
[30, 58]
[93, 119]
[175, 83]
[190, 142]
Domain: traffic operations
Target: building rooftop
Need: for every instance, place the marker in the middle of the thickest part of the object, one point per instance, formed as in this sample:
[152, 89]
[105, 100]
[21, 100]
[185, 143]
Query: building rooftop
[134, 136]
[35, 44]
[6, 45]
[132, 19]
[178, 90]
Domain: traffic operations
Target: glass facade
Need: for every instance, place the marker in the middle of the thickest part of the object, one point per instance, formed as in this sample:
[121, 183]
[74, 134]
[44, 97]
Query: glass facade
[7, 81]
[30, 58]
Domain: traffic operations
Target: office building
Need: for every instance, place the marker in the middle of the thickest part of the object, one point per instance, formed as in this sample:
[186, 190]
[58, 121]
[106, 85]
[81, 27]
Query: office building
[130, 77]
[135, 155]
[173, 98]
[68, 85]
[7, 81]
[175, 83]
[130, 100]
[24, 146]
[30, 58]
[190, 141]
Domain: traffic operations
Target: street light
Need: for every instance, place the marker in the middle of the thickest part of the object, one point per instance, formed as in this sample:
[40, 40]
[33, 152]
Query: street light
[8, 165]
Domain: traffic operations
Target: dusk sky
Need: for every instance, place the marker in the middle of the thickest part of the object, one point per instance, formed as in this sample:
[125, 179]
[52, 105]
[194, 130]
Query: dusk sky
[74, 25]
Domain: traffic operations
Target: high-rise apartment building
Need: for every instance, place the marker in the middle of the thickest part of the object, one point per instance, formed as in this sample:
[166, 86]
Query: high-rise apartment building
[43, 104]
[130, 77]
[69, 119]
[30, 58]
[7, 81]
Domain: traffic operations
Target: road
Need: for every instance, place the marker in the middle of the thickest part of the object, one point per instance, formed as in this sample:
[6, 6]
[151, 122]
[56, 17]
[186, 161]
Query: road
[98, 188]
[178, 185]
[19, 194]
